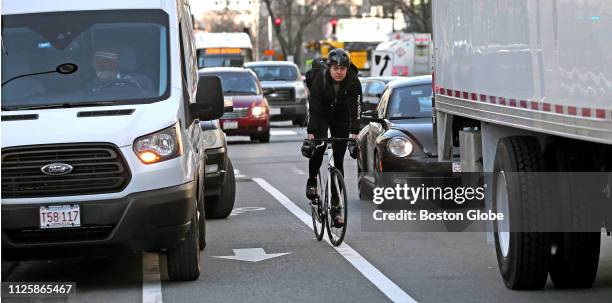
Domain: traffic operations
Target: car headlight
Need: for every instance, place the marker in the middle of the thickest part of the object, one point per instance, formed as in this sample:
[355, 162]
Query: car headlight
[400, 147]
[257, 111]
[213, 138]
[160, 146]
[300, 93]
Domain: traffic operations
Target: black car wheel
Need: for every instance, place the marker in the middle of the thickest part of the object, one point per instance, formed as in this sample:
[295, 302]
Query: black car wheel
[221, 206]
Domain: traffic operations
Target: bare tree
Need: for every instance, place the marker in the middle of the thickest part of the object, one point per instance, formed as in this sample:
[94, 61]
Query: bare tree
[225, 22]
[296, 19]
[416, 12]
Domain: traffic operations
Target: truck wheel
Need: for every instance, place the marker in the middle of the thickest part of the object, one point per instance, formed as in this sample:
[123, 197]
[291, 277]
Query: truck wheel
[575, 255]
[184, 260]
[523, 257]
[221, 206]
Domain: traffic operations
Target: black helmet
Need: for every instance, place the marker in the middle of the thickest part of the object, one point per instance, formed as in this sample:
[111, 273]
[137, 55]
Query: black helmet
[339, 57]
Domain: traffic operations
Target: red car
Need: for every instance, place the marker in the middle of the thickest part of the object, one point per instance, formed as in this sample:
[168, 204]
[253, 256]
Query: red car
[251, 115]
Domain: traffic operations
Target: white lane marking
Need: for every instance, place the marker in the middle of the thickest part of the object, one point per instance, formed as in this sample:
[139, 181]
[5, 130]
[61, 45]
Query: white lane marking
[251, 255]
[280, 132]
[237, 174]
[151, 281]
[242, 210]
[384, 284]
[298, 171]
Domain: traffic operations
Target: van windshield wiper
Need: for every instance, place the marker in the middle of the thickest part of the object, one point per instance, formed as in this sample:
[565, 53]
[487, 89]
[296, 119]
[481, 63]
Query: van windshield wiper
[64, 69]
[60, 105]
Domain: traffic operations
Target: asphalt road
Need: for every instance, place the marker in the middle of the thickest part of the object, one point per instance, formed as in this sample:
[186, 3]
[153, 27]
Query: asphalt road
[282, 262]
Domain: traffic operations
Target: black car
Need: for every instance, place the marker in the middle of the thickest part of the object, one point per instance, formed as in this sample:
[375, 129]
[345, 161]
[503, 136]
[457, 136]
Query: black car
[399, 136]
[220, 183]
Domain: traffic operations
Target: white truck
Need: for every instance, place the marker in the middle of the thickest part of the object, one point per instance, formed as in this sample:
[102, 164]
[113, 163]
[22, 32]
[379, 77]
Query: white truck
[405, 54]
[526, 86]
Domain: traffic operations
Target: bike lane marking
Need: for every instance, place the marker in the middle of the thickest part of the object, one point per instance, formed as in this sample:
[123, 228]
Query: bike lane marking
[375, 276]
[151, 279]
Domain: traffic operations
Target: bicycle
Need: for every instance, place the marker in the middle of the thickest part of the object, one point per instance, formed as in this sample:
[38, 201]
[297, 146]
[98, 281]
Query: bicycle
[322, 211]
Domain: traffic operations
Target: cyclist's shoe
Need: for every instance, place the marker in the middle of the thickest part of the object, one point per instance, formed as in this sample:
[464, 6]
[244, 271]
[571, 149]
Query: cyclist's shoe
[338, 221]
[311, 189]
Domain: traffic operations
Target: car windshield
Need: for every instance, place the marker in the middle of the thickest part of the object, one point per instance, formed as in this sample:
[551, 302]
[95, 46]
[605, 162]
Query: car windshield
[120, 56]
[237, 83]
[276, 73]
[410, 102]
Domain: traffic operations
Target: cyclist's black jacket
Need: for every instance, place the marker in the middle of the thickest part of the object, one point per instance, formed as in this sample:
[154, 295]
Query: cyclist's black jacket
[325, 104]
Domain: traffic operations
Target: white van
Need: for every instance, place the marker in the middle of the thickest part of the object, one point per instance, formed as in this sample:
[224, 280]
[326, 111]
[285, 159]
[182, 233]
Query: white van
[101, 143]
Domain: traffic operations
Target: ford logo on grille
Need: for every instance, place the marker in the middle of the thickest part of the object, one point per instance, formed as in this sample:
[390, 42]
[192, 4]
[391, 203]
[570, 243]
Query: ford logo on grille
[56, 169]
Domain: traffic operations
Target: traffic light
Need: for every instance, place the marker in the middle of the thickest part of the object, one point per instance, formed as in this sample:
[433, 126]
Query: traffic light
[278, 21]
[333, 23]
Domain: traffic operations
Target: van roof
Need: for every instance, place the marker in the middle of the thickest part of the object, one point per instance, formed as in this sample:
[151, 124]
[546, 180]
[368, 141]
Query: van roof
[13, 7]
[221, 40]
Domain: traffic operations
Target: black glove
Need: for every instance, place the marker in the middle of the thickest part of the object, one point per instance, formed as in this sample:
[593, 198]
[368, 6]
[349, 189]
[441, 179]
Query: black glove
[353, 149]
[307, 148]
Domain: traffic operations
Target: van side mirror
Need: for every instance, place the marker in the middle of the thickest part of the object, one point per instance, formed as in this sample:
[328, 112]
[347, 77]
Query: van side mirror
[209, 99]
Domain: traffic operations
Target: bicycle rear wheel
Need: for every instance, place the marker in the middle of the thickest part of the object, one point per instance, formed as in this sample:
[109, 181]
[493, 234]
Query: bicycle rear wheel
[336, 232]
[318, 212]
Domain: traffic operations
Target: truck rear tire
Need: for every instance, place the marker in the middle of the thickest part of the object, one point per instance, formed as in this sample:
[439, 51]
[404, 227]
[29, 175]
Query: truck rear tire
[575, 255]
[221, 206]
[184, 260]
[575, 259]
[523, 257]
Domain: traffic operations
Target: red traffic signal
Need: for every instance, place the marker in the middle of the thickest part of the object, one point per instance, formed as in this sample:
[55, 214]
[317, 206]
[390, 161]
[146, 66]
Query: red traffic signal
[334, 22]
[278, 21]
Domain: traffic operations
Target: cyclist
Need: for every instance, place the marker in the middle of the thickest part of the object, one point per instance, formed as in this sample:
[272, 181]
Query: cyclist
[334, 104]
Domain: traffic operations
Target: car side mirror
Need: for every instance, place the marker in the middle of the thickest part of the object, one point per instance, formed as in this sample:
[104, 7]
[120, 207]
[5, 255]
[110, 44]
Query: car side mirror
[371, 116]
[228, 104]
[268, 91]
[209, 99]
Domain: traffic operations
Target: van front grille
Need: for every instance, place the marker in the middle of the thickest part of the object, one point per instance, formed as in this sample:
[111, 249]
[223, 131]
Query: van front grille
[97, 168]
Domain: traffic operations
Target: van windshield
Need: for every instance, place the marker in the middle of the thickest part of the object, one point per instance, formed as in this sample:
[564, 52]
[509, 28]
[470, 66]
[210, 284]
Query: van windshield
[121, 57]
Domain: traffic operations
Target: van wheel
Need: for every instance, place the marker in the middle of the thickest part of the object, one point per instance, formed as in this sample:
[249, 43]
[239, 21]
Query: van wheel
[184, 260]
[575, 257]
[201, 221]
[523, 257]
[221, 206]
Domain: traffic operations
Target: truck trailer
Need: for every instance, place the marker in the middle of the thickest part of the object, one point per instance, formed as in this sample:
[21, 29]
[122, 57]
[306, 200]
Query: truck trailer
[524, 89]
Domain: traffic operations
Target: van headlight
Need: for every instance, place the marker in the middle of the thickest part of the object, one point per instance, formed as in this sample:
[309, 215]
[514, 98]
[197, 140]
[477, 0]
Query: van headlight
[213, 138]
[160, 146]
[400, 147]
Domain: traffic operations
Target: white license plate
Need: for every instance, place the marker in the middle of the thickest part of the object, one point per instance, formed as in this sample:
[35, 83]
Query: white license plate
[60, 216]
[230, 125]
[275, 111]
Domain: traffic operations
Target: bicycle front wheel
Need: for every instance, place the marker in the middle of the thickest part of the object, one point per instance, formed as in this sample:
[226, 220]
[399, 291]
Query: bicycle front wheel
[318, 211]
[337, 209]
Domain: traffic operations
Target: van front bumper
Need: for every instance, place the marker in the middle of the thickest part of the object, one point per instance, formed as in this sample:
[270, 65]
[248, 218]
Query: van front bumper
[144, 221]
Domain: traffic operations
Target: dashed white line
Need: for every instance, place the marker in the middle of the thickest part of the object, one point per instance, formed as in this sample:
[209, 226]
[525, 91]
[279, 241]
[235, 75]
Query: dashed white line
[298, 171]
[279, 132]
[384, 284]
[151, 280]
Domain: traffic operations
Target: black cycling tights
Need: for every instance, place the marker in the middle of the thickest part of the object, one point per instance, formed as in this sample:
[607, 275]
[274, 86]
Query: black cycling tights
[339, 128]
